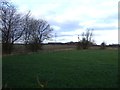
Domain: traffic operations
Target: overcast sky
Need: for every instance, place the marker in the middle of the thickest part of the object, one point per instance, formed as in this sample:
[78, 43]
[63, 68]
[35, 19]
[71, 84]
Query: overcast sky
[70, 18]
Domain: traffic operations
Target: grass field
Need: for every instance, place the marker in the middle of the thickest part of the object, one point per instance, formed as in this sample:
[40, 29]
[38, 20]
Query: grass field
[62, 69]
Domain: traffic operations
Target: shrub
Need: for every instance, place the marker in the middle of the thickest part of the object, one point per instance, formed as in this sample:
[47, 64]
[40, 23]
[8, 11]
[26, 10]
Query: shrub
[103, 45]
[33, 45]
[7, 48]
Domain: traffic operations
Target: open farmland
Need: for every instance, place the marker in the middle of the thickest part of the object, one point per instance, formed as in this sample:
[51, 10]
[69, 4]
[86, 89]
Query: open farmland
[20, 48]
[62, 69]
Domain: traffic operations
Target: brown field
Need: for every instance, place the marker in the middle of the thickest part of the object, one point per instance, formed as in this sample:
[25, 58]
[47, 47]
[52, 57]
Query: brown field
[21, 49]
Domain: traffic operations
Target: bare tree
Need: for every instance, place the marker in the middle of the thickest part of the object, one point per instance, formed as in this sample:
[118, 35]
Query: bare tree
[11, 25]
[27, 30]
[37, 31]
[86, 39]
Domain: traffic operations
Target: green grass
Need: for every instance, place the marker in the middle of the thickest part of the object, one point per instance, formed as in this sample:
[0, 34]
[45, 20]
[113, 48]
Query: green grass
[63, 69]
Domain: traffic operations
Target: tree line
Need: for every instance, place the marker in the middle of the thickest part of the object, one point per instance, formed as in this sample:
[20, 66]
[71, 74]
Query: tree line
[15, 26]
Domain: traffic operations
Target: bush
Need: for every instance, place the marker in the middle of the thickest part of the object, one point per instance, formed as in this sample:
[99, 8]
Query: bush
[79, 45]
[103, 45]
[84, 44]
[33, 45]
[7, 48]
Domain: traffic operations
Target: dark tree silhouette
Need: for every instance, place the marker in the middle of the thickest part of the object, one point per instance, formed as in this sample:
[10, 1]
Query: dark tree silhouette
[36, 31]
[11, 25]
[86, 40]
[15, 26]
[103, 45]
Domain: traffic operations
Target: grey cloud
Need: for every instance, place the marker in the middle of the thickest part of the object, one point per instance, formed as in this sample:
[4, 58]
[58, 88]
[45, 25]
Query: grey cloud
[108, 18]
[63, 35]
[70, 25]
[106, 28]
[67, 25]
[73, 25]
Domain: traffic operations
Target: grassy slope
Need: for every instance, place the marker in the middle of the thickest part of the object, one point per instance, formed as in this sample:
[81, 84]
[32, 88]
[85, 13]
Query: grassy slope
[87, 68]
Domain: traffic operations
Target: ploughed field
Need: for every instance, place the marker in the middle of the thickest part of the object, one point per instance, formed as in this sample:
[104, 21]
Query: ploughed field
[61, 69]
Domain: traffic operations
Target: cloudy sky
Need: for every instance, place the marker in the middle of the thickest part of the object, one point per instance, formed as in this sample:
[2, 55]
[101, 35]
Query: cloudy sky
[70, 18]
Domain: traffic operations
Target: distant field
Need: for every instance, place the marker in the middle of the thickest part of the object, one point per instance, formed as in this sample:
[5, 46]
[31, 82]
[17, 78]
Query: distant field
[62, 69]
[19, 48]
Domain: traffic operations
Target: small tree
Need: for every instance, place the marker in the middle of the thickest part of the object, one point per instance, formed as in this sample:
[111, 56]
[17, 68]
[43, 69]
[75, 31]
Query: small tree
[86, 41]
